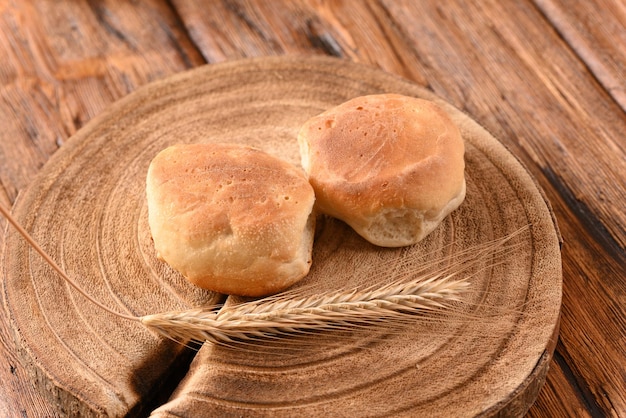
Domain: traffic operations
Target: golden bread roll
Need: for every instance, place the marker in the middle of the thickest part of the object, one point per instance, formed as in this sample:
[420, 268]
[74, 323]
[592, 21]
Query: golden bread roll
[390, 166]
[231, 218]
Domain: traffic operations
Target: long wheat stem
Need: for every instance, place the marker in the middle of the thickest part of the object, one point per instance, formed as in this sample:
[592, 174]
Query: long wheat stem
[289, 314]
[336, 310]
[31, 241]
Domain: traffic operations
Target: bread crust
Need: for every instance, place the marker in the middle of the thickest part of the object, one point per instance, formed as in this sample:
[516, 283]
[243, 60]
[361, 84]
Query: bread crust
[391, 166]
[231, 218]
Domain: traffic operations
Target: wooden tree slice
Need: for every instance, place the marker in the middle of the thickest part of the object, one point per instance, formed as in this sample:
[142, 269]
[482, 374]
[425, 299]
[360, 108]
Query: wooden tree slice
[88, 210]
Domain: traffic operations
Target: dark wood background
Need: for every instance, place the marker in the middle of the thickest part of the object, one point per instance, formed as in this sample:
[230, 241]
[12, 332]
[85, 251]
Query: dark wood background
[547, 77]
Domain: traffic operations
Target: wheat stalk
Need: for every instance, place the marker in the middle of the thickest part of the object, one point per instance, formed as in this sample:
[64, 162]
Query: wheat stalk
[287, 316]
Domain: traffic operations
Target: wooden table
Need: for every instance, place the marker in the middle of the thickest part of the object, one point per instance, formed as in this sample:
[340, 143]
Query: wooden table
[546, 77]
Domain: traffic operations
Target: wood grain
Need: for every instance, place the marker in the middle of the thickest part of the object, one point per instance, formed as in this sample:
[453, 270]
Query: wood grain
[263, 103]
[596, 32]
[532, 72]
[62, 63]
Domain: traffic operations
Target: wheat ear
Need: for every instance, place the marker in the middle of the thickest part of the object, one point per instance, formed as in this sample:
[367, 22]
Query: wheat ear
[288, 315]
[277, 316]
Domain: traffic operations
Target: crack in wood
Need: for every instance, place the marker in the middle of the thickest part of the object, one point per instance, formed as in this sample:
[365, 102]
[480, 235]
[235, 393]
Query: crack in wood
[322, 39]
[587, 217]
[180, 23]
[577, 383]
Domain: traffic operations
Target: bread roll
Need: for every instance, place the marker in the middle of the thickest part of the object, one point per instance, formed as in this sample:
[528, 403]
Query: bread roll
[390, 166]
[231, 218]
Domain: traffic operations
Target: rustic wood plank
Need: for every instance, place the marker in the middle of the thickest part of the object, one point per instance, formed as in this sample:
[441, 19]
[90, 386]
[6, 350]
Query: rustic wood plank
[18, 396]
[561, 395]
[61, 63]
[352, 30]
[596, 31]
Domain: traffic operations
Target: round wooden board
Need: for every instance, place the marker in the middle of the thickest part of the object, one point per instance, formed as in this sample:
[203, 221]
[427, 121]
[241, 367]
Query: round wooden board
[88, 209]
